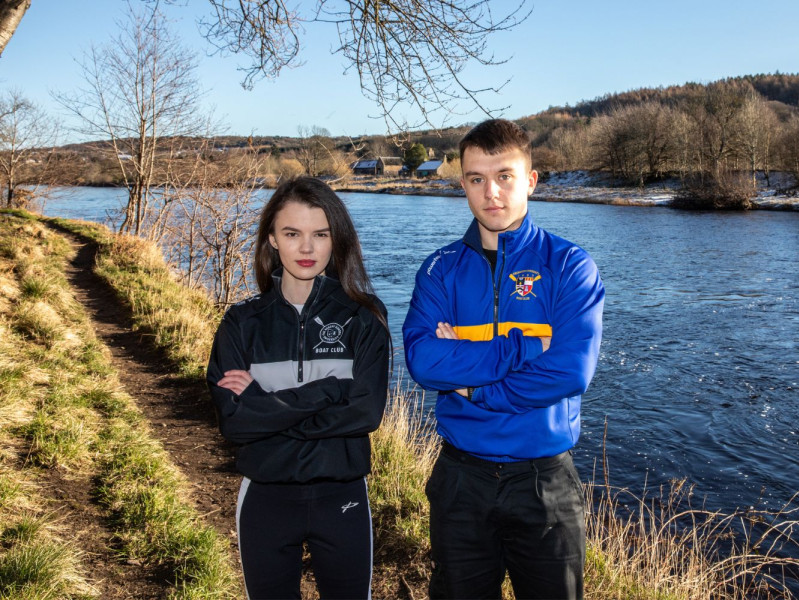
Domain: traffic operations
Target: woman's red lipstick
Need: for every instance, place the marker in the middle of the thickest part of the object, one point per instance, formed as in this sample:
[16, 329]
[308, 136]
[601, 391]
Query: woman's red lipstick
[306, 263]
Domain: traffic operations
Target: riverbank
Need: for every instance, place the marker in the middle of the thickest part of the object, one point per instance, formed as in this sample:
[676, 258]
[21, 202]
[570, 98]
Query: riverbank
[578, 186]
[659, 549]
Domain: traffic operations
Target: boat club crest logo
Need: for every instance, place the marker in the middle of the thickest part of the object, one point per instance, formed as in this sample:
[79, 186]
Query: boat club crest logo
[331, 333]
[524, 281]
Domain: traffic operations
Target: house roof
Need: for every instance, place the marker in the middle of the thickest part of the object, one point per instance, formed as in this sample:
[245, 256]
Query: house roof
[430, 165]
[365, 164]
[391, 160]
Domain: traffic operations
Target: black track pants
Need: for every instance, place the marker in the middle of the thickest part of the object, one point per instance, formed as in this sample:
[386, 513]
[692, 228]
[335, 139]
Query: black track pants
[273, 521]
[486, 517]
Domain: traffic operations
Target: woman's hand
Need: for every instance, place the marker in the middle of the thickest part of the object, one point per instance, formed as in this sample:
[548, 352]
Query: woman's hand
[236, 381]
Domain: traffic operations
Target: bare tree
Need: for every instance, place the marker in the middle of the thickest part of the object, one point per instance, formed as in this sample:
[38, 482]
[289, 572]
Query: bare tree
[788, 148]
[756, 125]
[318, 154]
[406, 52]
[636, 141]
[140, 91]
[11, 13]
[315, 146]
[716, 112]
[25, 134]
[210, 232]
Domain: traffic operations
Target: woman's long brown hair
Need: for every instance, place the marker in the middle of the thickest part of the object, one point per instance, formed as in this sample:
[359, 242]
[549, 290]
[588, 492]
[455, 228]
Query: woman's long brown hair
[346, 260]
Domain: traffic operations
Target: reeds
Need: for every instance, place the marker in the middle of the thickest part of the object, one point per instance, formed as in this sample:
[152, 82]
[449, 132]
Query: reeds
[657, 545]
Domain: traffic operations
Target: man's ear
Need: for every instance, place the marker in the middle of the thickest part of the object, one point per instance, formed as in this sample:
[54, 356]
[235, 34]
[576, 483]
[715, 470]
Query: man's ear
[533, 181]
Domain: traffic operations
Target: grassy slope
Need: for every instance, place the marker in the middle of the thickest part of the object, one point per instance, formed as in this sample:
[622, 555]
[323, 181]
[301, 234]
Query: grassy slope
[61, 408]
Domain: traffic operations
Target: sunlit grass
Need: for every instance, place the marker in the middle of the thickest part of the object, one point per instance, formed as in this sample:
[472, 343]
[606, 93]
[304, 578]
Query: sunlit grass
[40, 570]
[63, 408]
[404, 449]
[181, 321]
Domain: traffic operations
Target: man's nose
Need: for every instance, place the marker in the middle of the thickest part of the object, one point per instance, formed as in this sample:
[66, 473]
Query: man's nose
[491, 189]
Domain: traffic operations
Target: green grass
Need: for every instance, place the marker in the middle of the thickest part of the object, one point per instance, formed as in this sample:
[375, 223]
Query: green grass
[36, 570]
[65, 410]
[180, 321]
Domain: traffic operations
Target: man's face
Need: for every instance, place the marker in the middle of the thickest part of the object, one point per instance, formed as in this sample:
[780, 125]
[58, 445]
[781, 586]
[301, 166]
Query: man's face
[497, 187]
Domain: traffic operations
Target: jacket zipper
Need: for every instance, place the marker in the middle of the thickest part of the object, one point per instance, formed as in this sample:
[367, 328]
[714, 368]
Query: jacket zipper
[301, 342]
[496, 284]
[301, 346]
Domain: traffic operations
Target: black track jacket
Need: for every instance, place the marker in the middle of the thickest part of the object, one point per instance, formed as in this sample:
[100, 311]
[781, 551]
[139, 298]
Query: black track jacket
[320, 386]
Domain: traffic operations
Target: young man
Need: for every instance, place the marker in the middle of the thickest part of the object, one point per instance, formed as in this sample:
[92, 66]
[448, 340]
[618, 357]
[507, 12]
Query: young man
[505, 324]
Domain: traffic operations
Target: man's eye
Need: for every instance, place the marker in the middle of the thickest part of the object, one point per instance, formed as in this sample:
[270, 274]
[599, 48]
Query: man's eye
[323, 234]
[291, 234]
[477, 180]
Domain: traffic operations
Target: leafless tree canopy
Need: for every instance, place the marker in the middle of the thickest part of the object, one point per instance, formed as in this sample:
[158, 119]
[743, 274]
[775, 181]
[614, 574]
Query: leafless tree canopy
[406, 52]
[25, 134]
[141, 93]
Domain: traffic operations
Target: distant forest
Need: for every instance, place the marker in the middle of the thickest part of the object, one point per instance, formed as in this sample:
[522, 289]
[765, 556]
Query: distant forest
[715, 137]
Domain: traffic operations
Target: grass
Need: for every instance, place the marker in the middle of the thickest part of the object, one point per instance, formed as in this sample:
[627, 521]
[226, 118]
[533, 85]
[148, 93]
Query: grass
[650, 546]
[62, 408]
[39, 570]
[404, 449]
[180, 321]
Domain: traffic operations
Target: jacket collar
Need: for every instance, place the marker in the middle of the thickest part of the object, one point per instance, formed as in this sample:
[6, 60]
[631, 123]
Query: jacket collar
[321, 282]
[516, 239]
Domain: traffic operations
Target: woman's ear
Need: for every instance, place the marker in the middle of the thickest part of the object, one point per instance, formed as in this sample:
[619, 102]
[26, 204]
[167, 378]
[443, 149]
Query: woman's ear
[273, 241]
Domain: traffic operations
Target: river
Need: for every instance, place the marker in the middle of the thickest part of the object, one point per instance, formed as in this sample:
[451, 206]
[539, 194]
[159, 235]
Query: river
[698, 375]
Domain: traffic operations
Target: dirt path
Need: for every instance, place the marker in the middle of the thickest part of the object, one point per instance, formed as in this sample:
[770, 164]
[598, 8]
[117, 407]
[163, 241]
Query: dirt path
[178, 410]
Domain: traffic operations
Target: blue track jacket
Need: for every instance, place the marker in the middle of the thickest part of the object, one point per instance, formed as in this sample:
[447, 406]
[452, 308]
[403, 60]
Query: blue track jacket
[526, 403]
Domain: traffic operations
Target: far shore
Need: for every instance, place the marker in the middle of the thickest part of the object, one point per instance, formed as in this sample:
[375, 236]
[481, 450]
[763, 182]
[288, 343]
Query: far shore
[574, 186]
[581, 187]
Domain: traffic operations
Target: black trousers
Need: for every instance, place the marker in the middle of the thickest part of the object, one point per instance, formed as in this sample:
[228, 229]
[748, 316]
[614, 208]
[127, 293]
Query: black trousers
[273, 521]
[524, 517]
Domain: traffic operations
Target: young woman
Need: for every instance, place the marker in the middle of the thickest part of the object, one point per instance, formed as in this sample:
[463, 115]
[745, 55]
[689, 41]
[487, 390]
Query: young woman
[298, 376]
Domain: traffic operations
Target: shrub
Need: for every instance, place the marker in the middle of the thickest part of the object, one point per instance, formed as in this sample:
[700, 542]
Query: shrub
[728, 191]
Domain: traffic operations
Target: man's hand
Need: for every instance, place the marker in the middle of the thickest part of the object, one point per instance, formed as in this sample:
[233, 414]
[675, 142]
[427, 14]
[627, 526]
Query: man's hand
[445, 331]
[235, 380]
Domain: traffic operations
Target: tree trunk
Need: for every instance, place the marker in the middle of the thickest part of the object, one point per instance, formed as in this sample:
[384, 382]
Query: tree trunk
[11, 13]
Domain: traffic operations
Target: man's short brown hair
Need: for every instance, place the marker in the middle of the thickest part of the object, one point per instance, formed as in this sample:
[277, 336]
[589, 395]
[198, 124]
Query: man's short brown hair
[495, 136]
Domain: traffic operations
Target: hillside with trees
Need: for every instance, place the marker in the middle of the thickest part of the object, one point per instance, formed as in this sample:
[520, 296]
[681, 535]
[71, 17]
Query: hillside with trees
[715, 138]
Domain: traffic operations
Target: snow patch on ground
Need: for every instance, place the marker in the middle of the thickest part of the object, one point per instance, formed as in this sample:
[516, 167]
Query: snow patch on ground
[591, 188]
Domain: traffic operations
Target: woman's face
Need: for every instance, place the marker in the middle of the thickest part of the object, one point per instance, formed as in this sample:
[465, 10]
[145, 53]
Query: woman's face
[302, 238]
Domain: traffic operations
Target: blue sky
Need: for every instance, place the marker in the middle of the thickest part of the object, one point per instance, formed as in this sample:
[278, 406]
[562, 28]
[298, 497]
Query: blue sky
[565, 52]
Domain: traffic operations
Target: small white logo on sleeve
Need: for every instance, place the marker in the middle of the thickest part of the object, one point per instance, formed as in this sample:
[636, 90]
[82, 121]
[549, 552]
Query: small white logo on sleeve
[348, 506]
